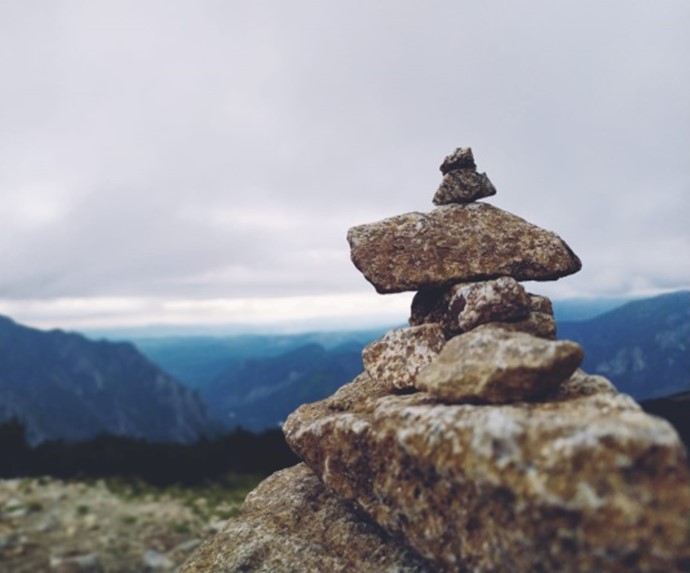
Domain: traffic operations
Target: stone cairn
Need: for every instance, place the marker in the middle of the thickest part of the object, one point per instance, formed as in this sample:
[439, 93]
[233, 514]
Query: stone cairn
[472, 441]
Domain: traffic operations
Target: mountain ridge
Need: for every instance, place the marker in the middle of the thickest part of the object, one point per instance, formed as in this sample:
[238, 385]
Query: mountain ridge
[62, 385]
[643, 346]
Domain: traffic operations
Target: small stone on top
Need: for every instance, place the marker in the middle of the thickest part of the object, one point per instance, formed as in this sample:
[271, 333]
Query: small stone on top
[461, 158]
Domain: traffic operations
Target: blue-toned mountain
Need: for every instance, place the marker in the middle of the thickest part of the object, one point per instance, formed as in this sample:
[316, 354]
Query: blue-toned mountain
[64, 386]
[260, 393]
[643, 347]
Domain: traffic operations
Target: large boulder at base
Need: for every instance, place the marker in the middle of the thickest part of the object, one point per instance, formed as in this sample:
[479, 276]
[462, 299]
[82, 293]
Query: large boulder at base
[456, 243]
[292, 523]
[493, 365]
[583, 482]
[395, 359]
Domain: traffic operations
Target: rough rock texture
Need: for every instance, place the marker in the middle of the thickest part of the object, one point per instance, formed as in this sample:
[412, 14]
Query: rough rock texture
[464, 306]
[584, 482]
[431, 306]
[456, 243]
[292, 523]
[540, 303]
[463, 186]
[395, 359]
[500, 300]
[537, 324]
[493, 365]
[461, 158]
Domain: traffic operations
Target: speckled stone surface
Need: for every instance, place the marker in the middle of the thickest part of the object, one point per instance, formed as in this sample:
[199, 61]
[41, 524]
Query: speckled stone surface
[291, 523]
[493, 365]
[463, 186]
[395, 359]
[464, 306]
[539, 303]
[583, 482]
[456, 243]
[500, 300]
[537, 324]
[461, 158]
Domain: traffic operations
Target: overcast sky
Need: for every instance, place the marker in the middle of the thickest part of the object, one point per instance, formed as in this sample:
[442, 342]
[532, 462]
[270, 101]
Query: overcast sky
[201, 161]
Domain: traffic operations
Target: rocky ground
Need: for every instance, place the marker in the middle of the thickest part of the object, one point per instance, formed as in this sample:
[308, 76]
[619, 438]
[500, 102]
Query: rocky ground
[107, 526]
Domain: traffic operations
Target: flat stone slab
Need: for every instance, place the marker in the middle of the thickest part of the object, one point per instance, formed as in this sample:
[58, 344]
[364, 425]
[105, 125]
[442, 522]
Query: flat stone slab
[395, 359]
[290, 522]
[490, 365]
[583, 482]
[457, 243]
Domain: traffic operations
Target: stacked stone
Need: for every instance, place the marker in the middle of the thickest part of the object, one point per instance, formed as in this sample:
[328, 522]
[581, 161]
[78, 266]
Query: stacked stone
[472, 441]
[465, 260]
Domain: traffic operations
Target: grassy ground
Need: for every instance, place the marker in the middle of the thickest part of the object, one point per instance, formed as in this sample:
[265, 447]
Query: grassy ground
[219, 499]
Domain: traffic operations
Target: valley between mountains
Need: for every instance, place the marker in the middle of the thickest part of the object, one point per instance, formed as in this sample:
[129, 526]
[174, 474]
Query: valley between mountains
[66, 386]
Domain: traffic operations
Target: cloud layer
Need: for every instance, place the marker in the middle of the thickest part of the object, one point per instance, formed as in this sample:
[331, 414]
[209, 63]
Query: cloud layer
[206, 151]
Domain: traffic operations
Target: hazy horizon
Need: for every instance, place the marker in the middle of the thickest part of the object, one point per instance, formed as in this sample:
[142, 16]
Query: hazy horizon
[565, 309]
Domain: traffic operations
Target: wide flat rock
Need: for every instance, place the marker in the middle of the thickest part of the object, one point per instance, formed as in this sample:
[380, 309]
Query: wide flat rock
[583, 482]
[291, 523]
[456, 243]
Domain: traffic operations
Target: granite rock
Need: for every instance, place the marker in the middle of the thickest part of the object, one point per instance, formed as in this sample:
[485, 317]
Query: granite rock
[292, 523]
[494, 365]
[456, 243]
[395, 359]
[583, 482]
[461, 158]
[430, 305]
[464, 306]
[500, 300]
[463, 186]
[537, 324]
[540, 303]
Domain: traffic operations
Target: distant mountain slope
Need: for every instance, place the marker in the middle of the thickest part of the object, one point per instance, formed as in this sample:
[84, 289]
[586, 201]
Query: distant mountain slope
[199, 360]
[576, 309]
[643, 347]
[260, 393]
[63, 385]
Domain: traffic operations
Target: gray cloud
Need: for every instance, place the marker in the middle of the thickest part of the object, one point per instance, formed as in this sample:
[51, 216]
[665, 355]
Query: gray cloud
[216, 149]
